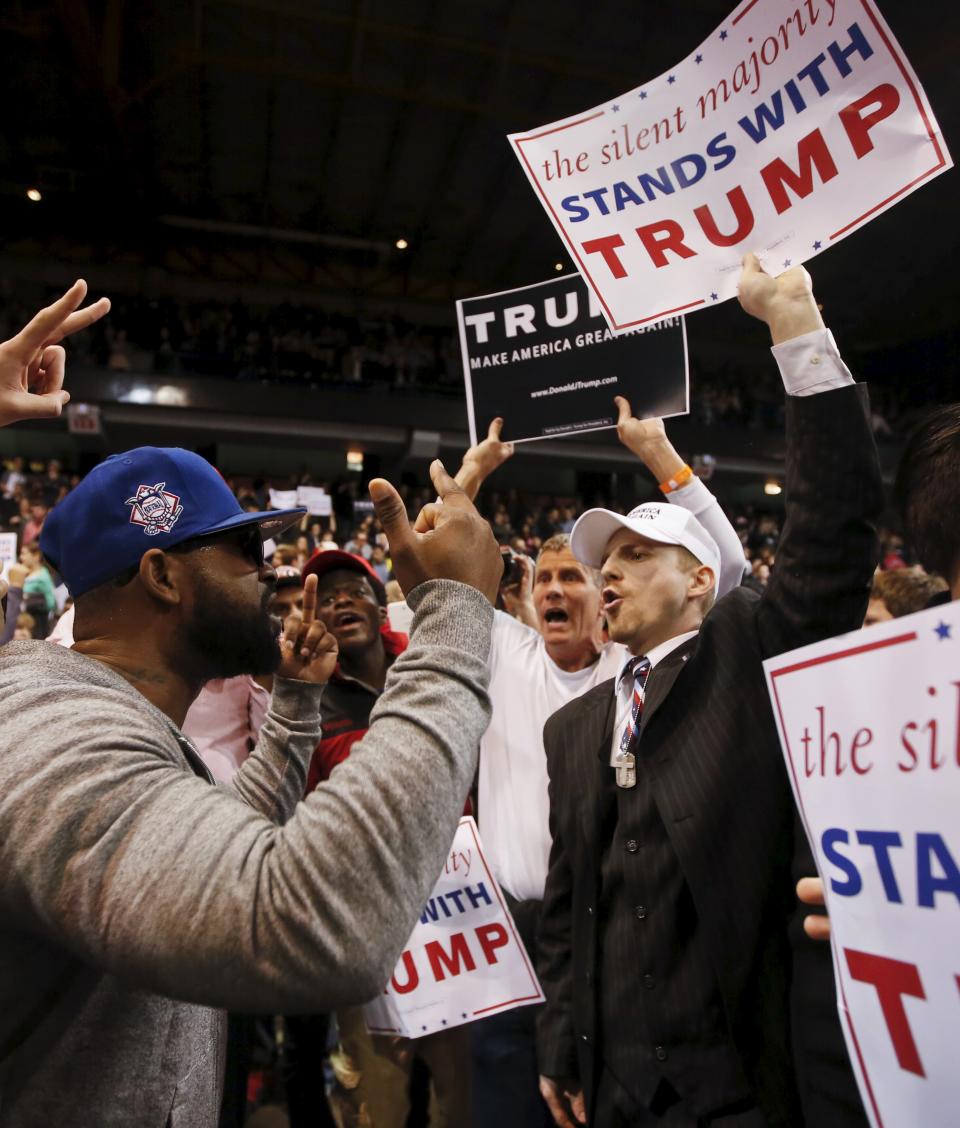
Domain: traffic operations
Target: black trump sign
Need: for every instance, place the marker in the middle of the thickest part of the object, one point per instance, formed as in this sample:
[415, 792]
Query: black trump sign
[543, 358]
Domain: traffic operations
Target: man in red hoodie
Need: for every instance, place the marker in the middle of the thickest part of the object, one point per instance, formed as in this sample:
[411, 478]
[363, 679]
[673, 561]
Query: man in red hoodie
[373, 1071]
[352, 603]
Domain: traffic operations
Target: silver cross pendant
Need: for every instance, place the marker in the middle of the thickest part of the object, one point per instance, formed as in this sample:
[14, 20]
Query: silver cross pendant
[626, 768]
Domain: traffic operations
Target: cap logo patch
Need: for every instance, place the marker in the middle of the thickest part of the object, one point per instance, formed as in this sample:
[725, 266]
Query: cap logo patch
[645, 513]
[155, 508]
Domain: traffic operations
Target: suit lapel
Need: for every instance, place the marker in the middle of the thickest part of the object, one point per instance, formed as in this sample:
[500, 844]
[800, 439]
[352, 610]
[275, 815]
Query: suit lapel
[661, 680]
[598, 793]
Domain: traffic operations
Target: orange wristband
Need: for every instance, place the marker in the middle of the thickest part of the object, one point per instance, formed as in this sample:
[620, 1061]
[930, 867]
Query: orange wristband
[678, 481]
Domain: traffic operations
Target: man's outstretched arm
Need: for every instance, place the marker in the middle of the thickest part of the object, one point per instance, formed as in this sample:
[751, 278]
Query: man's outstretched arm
[647, 439]
[829, 548]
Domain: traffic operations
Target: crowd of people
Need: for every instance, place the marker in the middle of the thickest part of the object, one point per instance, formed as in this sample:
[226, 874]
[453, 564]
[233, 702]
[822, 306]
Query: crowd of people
[279, 343]
[286, 343]
[352, 691]
[520, 521]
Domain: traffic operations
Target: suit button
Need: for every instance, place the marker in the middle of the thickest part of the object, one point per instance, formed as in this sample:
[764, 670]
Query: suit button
[648, 982]
[660, 1053]
[589, 910]
[584, 1037]
[641, 912]
[588, 977]
[632, 846]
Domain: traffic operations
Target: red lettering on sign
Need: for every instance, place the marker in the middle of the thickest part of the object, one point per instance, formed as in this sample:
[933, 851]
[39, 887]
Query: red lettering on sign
[778, 176]
[491, 937]
[893, 979]
[858, 125]
[742, 214]
[658, 238]
[413, 976]
[441, 961]
[607, 246]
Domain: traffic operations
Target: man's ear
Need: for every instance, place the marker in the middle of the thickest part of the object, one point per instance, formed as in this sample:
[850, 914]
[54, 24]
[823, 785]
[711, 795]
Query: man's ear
[384, 617]
[162, 575]
[702, 581]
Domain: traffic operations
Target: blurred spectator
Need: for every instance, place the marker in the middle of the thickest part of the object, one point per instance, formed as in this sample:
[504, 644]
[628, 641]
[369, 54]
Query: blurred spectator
[378, 562]
[901, 592]
[34, 525]
[26, 627]
[39, 597]
[13, 478]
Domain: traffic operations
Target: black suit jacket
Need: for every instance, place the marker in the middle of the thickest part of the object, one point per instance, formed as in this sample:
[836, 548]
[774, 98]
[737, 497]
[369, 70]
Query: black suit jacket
[709, 746]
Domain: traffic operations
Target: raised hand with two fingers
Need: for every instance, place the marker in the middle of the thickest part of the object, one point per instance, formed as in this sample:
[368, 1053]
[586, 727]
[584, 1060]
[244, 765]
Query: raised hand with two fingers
[449, 540]
[32, 363]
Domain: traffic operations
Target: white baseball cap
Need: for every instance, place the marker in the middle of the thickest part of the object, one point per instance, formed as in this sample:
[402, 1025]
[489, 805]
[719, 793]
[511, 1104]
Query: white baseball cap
[655, 520]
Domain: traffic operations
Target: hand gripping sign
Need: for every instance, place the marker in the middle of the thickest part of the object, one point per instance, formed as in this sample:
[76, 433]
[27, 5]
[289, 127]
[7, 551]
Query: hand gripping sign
[870, 727]
[794, 124]
[464, 959]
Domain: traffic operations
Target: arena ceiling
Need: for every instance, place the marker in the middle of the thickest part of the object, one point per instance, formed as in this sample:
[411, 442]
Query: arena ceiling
[307, 136]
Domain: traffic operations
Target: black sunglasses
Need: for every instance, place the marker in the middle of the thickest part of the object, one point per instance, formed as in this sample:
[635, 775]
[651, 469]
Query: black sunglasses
[246, 539]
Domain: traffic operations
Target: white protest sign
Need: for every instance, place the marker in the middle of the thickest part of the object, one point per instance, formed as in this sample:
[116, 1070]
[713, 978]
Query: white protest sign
[464, 959]
[870, 727]
[315, 500]
[283, 499]
[8, 552]
[790, 127]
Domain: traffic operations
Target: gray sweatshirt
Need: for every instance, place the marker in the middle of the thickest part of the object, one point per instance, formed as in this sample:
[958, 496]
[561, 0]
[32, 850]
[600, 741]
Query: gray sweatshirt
[136, 897]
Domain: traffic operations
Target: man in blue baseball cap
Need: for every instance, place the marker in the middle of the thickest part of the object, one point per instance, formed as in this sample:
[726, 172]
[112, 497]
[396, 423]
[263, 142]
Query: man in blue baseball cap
[173, 501]
[137, 899]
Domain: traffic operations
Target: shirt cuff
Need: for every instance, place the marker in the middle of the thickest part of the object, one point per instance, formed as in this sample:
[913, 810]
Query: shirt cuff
[693, 496]
[811, 363]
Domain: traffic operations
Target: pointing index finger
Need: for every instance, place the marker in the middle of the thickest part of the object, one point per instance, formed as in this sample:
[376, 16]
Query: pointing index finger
[310, 600]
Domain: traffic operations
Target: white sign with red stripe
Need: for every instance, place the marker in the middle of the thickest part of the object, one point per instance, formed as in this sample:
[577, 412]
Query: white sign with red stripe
[792, 125]
[464, 959]
[870, 727]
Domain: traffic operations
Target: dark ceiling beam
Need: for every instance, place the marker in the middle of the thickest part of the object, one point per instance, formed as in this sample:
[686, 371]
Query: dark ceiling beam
[400, 128]
[267, 67]
[567, 67]
[434, 196]
[95, 67]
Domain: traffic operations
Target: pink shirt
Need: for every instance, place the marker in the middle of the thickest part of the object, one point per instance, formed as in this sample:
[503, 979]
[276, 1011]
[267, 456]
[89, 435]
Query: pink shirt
[224, 721]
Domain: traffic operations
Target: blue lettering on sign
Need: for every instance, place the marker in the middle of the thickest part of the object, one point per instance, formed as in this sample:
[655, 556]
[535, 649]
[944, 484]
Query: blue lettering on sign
[936, 868]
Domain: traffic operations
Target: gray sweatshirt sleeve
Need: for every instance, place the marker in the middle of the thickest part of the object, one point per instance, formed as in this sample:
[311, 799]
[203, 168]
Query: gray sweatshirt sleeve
[272, 779]
[149, 873]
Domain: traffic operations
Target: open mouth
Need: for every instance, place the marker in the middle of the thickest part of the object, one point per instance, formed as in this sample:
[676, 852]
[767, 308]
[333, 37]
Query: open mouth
[347, 619]
[611, 599]
[556, 615]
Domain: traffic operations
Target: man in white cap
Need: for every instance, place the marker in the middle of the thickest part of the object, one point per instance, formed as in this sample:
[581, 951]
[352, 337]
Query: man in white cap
[663, 942]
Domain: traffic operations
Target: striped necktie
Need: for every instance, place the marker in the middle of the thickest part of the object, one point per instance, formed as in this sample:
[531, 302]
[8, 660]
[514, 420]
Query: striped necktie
[637, 669]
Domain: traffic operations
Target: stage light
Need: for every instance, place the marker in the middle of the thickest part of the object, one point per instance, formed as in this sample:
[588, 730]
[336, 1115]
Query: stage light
[355, 460]
[401, 244]
[34, 194]
[772, 487]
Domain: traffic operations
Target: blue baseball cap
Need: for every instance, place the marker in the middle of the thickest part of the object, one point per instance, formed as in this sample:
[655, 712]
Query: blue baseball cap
[151, 497]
